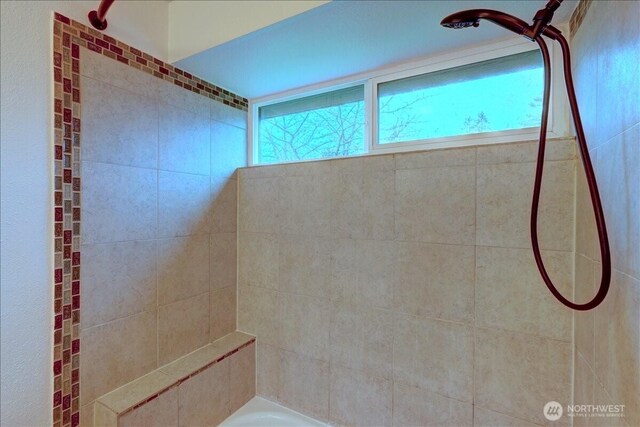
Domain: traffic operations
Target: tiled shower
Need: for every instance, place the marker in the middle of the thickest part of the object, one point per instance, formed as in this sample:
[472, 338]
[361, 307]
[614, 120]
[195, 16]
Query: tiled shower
[394, 289]
[159, 222]
[381, 282]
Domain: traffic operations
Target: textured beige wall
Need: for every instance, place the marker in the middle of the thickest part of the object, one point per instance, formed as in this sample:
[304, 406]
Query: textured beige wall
[607, 73]
[159, 222]
[402, 288]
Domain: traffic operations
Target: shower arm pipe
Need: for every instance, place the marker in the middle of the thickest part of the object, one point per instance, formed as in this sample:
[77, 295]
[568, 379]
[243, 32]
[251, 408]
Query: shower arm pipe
[589, 174]
[98, 18]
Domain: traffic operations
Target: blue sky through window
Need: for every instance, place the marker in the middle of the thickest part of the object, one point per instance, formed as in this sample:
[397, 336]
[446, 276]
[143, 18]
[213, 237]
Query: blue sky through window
[494, 103]
[494, 95]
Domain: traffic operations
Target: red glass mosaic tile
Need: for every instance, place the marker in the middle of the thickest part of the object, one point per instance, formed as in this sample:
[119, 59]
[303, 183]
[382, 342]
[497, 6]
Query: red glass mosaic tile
[57, 322]
[100, 43]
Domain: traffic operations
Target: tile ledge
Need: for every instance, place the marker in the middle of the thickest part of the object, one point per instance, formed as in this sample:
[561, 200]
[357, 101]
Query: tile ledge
[146, 388]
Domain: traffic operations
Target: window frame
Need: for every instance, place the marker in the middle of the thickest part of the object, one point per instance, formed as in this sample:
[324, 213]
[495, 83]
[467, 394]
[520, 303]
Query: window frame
[558, 107]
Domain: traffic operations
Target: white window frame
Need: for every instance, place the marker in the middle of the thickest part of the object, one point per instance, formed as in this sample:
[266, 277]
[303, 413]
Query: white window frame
[558, 107]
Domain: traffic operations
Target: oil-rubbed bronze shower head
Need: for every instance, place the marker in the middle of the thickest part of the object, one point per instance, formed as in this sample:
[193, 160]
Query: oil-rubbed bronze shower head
[471, 18]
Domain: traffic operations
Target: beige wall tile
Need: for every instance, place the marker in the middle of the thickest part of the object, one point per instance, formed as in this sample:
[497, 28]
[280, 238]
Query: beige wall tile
[602, 397]
[604, 45]
[436, 158]
[258, 261]
[232, 341]
[357, 399]
[375, 273]
[259, 205]
[136, 391]
[617, 344]
[183, 203]
[258, 313]
[163, 410]
[584, 321]
[318, 168]
[105, 347]
[204, 356]
[619, 178]
[183, 326]
[228, 149]
[345, 289]
[362, 272]
[306, 205]
[585, 76]
[223, 254]
[361, 338]
[118, 280]
[435, 281]
[184, 141]
[224, 207]
[585, 226]
[368, 217]
[305, 265]
[583, 385]
[183, 268]
[413, 406]
[242, 377]
[118, 202]
[261, 171]
[451, 219]
[521, 152]
[618, 68]
[104, 417]
[504, 205]
[204, 398]
[176, 96]
[510, 294]
[487, 418]
[363, 164]
[229, 115]
[267, 371]
[304, 384]
[434, 355]
[304, 325]
[118, 126]
[222, 312]
[516, 374]
[86, 415]
[99, 67]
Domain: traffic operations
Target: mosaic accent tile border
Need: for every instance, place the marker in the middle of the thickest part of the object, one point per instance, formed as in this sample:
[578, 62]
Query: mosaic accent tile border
[66, 124]
[578, 16]
[115, 49]
[68, 37]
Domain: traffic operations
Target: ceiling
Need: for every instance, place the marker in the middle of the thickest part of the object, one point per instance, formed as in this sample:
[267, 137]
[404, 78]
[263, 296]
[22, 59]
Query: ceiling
[343, 38]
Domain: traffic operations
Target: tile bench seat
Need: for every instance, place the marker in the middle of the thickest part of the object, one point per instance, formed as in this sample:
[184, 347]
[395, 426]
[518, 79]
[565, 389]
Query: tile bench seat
[201, 388]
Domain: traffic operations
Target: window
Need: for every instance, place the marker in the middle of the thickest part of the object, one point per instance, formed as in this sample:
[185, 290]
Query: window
[330, 124]
[480, 96]
[495, 95]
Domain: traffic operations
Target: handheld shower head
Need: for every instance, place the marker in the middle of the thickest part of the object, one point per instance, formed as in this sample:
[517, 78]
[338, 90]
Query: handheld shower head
[471, 18]
[541, 26]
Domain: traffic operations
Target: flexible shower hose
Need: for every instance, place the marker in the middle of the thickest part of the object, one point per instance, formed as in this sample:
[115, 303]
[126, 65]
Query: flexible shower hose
[590, 176]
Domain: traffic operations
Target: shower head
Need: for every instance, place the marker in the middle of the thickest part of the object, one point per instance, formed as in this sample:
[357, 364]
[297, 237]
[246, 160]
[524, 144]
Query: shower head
[471, 18]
